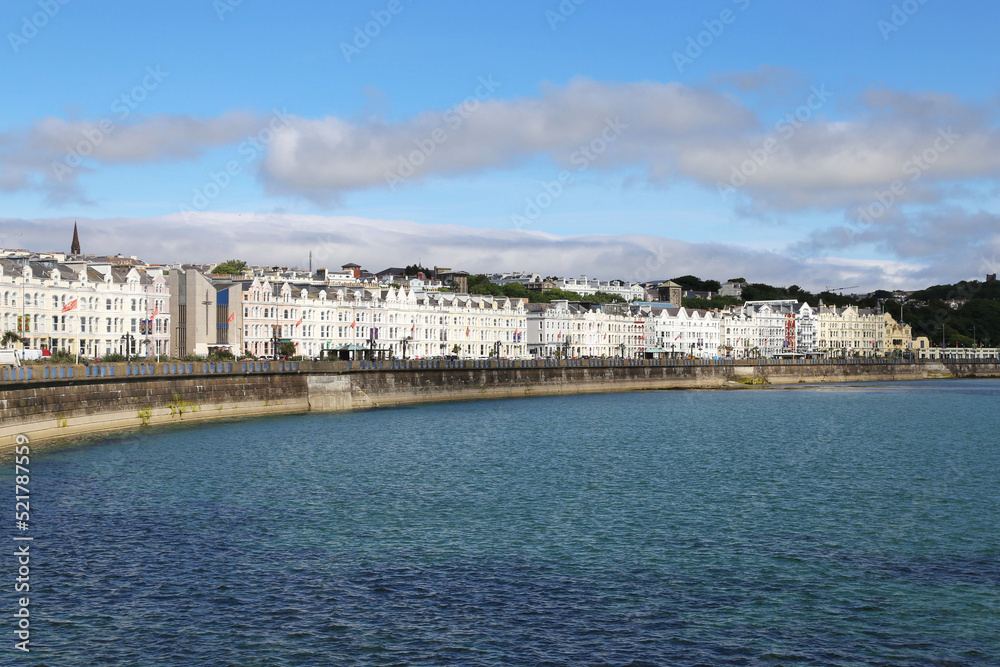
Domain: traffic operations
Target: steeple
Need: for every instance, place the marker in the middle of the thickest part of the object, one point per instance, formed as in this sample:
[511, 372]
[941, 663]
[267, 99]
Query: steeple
[74, 249]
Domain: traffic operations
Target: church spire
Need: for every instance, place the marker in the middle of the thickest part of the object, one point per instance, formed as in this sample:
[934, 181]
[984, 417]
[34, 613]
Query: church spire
[75, 248]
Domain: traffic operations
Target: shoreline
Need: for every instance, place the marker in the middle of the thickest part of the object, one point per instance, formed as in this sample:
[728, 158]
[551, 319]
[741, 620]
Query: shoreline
[77, 411]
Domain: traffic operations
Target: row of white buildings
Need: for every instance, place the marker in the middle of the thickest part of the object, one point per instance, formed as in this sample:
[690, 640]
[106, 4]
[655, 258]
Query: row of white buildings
[585, 286]
[90, 308]
[96, 308]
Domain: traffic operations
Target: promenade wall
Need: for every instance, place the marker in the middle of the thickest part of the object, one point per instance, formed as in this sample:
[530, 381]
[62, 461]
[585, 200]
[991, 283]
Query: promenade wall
[51, 403]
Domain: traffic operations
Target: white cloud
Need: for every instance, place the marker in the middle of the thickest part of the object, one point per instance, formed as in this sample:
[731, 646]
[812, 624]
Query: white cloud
[321, 157]
[668, 130]
[920, 153]
[51, 155]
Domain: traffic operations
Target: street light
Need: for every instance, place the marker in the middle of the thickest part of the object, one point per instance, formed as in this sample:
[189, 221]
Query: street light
[275, 340]
[128, 338]
[372, 336]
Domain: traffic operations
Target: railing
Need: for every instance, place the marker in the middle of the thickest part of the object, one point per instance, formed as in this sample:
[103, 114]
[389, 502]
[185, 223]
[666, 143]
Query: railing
[43, 372]
[52, 372]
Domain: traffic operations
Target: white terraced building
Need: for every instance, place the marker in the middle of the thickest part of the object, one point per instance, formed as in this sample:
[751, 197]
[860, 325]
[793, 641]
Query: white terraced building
[572, 329]
[770, 329]
[586, 287]
[581, 330]
[851, 331]
[329, 320]
[520, 277]
[682, 332]
[88, 308]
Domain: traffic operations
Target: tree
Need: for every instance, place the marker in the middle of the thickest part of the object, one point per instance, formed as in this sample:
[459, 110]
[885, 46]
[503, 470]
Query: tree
[231, 267]
[516, 291]
[414, 269]
[696, 284]
[10, 338]
[480, 284]
[287, 349]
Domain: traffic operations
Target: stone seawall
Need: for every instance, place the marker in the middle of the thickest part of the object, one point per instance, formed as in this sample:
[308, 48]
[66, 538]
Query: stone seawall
[402, 387]
[63, 408]
[59, 410]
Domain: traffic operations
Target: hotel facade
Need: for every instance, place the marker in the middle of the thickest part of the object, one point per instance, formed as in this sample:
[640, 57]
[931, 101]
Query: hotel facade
[87, 308]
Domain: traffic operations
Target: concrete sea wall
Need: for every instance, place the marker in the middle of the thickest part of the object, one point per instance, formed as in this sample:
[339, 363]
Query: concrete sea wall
[49, 404]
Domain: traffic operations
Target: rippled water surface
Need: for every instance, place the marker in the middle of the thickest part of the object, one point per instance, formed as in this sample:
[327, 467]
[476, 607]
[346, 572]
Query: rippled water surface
[827, 526]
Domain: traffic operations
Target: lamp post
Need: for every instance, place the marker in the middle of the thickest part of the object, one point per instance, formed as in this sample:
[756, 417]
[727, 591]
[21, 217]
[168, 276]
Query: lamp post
[275, 340]
[372, 336]
[405, 341]
[127, 339]
[24, 277]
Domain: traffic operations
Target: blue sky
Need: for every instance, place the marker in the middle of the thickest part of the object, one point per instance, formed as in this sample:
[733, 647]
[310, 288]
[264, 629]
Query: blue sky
[676, 95]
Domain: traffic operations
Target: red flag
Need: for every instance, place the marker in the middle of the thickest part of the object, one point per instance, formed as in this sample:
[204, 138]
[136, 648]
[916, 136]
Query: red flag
[413, 328]
[560, 335]
[156, 312]
[353, 323]
[232, 316]
[69, 306]
[300, 321]
[677, 336]
[466, 332]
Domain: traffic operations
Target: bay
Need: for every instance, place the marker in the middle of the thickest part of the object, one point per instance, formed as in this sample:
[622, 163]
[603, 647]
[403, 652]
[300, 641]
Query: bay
[815, 525]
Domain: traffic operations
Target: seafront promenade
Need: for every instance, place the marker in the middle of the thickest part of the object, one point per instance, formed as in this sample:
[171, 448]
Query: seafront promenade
[49, 403]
